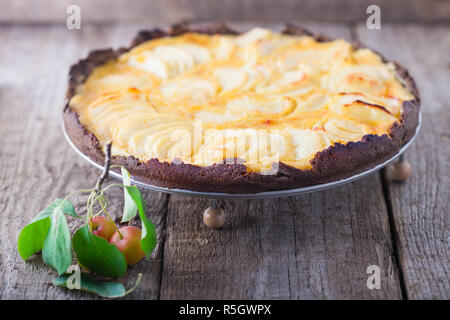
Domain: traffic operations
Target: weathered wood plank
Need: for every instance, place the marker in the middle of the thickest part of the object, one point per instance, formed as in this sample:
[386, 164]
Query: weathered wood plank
[171, 11]
[37, 165]
[307, 247]
[420, 207]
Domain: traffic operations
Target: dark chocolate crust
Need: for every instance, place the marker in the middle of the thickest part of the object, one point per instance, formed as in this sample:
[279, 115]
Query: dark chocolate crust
[336, 162]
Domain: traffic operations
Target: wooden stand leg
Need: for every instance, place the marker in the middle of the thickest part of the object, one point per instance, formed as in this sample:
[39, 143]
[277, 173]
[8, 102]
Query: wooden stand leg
[400, 170]
[214, 217]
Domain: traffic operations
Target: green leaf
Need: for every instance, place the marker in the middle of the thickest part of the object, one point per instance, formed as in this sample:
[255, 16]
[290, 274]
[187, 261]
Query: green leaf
[89, 284]
[57, 252]
[129, 207]
[98, 255]
[68, 209]
[149, 237]
[32, 236]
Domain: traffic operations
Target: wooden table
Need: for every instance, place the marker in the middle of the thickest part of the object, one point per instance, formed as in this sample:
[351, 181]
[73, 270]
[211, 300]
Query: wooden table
[315, 246]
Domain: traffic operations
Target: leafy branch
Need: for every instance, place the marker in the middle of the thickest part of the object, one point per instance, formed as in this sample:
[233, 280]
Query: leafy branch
[99, 246]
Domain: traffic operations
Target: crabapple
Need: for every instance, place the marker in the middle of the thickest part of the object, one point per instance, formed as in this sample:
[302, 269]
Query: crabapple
[103, 227]
[129, 243]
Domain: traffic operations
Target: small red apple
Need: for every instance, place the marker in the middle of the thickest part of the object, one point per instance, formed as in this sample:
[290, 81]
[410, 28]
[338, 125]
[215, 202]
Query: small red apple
[129, 243]
[103, 227]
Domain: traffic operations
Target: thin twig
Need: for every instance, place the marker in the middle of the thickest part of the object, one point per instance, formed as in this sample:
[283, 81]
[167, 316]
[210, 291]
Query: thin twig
[102, 178]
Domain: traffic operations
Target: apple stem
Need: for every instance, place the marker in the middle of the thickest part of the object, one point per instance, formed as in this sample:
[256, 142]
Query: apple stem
[102, 204]
[135, 285]
[98, 185]
[89, 210]
[102, 178]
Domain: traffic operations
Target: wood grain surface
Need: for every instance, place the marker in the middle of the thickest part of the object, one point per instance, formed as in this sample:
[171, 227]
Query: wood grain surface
[315, 246]
[37, 165]
[420, 207]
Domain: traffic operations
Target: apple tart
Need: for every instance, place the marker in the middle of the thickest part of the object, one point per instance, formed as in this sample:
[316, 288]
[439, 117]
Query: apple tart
[209, 109]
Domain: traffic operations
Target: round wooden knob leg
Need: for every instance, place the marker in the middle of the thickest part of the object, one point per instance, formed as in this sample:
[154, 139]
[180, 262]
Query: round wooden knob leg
[400, 171]
[214, 217]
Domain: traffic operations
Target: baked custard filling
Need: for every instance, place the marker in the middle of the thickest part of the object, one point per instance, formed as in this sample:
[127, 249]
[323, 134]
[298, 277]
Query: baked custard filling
[261, 97]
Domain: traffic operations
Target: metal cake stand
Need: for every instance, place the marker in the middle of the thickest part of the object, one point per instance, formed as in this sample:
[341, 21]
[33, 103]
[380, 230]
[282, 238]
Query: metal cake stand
[213, 216]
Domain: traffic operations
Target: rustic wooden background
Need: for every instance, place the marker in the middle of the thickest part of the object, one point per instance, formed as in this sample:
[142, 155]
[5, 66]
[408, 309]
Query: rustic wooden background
[315, 246]
[172, 11]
